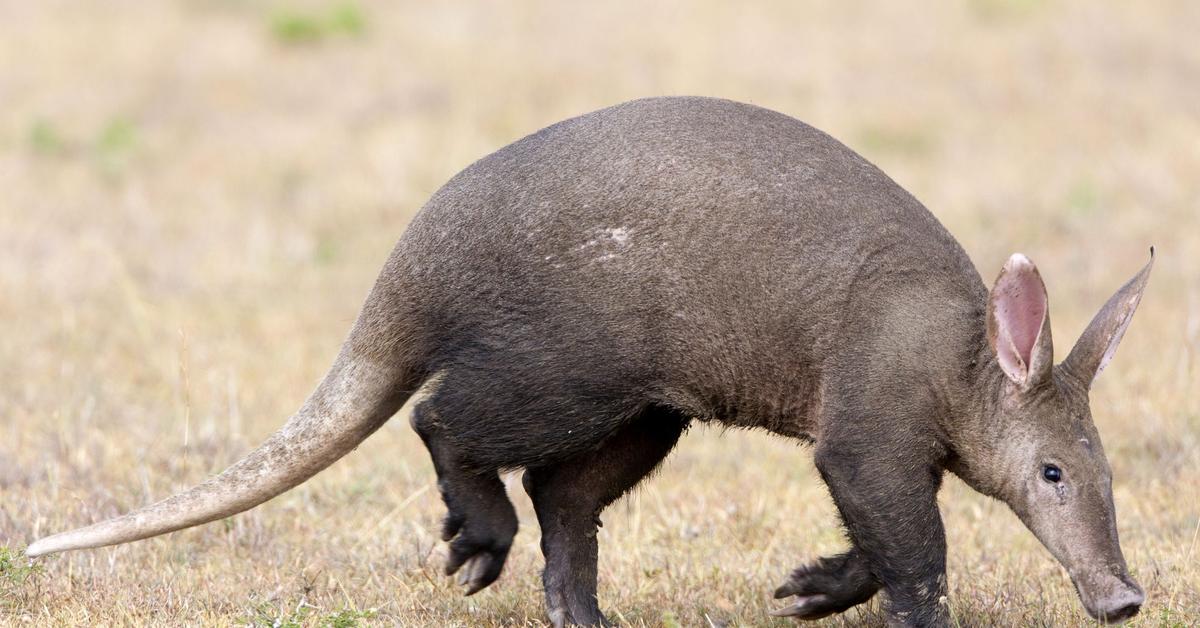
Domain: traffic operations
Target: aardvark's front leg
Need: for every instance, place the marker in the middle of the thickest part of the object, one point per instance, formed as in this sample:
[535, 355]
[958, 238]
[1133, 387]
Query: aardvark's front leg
[829, 585]
[887, 497]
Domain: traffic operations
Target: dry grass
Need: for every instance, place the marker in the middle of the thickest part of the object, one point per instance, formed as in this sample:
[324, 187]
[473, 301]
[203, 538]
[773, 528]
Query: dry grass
[196, 196]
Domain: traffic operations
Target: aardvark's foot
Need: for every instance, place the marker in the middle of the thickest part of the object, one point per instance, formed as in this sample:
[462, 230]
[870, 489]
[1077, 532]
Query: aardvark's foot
[562, 618]
[479, 543]
[830, 585]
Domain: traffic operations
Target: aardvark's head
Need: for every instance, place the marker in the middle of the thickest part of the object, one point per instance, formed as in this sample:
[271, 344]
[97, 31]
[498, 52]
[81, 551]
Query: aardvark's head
[1043, 456]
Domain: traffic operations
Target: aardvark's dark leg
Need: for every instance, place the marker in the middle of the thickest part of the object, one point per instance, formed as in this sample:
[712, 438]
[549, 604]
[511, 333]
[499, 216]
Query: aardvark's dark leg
[480, 520]
[569, 497]
[887, 496]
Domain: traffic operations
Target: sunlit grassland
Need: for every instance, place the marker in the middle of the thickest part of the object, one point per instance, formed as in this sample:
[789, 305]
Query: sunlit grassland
[195, 197]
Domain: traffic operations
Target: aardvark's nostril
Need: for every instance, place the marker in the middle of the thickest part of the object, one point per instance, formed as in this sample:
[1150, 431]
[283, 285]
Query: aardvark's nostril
[1123, 613]
[1123, 606]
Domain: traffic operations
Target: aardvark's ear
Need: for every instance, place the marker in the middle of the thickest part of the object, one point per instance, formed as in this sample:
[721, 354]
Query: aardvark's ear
[1018, 323]
[1099, 341]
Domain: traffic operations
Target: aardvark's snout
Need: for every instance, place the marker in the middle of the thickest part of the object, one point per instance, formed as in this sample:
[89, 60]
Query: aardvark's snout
[1121, 599]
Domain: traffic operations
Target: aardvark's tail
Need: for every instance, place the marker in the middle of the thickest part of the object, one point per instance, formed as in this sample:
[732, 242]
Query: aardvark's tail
[356, 397]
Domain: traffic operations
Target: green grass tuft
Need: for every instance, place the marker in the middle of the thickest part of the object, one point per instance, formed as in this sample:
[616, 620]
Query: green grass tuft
[115, 146]
[347, 19]
[305, 614]
[45, 139]
[16, 574]
[292, 26]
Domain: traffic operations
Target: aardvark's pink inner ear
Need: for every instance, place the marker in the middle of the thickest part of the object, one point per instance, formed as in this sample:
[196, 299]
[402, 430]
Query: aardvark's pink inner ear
[1019, 323]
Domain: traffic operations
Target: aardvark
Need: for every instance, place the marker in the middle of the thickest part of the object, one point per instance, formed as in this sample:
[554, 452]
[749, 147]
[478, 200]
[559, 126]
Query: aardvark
[571, 302]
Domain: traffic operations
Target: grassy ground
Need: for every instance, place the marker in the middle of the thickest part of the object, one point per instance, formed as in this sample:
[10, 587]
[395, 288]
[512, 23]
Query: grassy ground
[197, 195]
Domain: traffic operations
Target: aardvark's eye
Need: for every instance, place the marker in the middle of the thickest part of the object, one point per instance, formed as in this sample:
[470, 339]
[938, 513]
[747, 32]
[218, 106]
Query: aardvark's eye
[1052, 473]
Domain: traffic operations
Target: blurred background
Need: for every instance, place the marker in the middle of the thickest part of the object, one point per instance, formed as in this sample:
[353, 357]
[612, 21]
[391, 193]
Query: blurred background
[196, 195]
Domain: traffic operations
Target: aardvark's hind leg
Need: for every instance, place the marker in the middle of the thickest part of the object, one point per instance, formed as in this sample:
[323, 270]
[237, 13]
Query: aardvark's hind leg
[569, 497]
[480, 521]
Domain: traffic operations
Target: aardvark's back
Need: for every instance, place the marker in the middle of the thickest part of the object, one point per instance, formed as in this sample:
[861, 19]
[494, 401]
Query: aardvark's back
[695, 251]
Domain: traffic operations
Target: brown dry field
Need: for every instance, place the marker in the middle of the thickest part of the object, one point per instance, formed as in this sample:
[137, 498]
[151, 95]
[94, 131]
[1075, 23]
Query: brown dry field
[195, 197]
